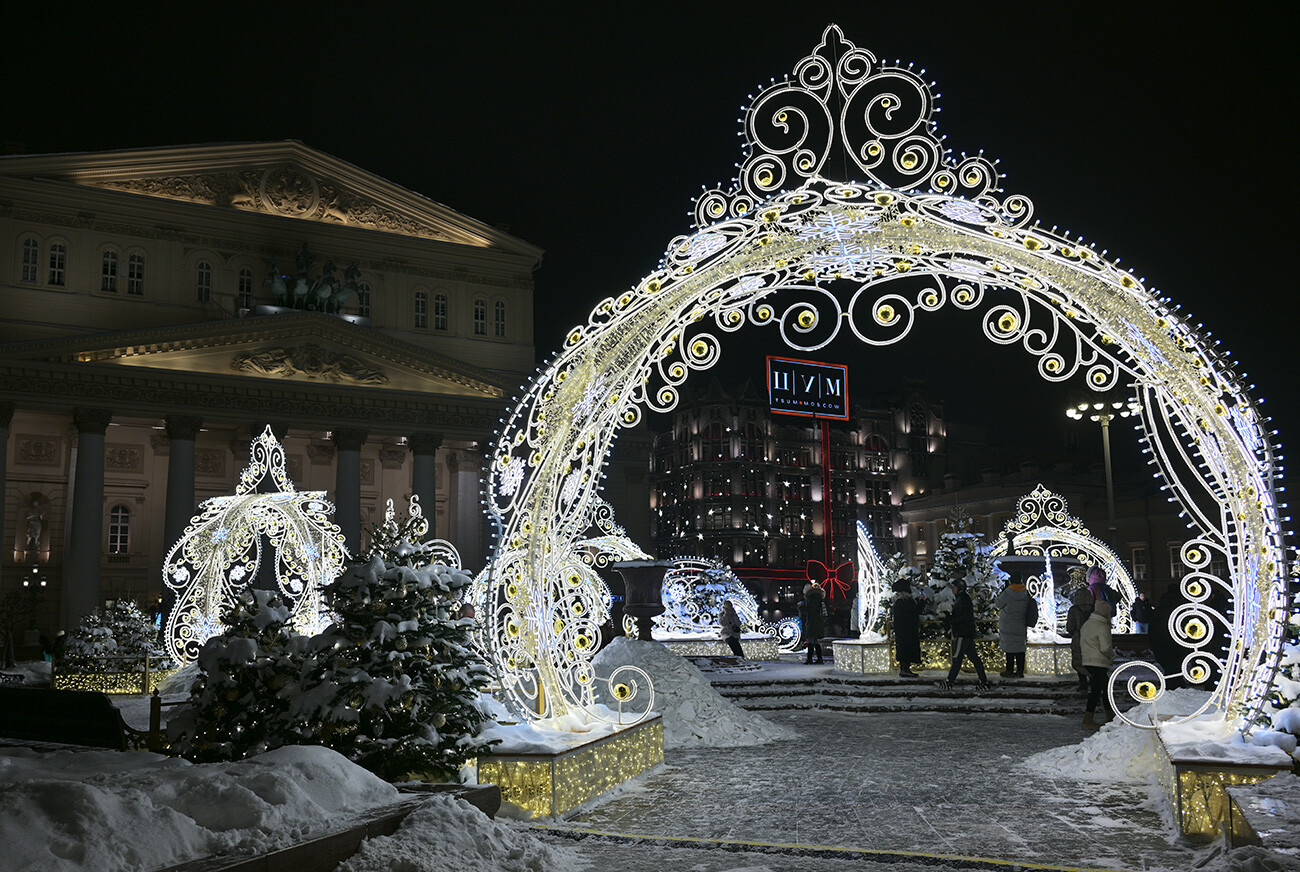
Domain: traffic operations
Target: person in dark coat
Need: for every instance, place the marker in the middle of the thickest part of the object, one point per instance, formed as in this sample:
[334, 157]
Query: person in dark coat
[1080, 609]
[963, 637]
[907, 628]
[729, 628]
[1013, 633]
[812, 612]
[1141, 614]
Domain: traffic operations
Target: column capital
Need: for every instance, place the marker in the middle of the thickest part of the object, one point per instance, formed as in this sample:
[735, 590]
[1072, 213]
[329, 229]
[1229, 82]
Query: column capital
[183, 427]
[91, 421]
[424, 443]
[349, 440]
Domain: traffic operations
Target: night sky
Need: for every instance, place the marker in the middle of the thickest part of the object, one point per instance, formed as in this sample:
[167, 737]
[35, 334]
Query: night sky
[1151, 129]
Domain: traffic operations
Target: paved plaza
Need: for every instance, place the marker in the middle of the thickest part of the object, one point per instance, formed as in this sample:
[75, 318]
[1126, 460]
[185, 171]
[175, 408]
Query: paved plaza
[888, 791]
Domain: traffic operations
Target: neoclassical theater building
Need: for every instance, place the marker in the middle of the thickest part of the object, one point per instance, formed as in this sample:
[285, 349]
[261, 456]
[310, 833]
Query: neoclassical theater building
[162, 306]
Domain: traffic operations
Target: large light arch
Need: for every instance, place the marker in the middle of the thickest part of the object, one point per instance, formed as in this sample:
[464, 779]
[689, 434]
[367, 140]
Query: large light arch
[789, 249]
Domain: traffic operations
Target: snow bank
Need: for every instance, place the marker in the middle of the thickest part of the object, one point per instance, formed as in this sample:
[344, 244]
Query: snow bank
[447, 835]
[695, 715]
[1215, 741]
[97, 810]
[32, 671]
[1118, 751]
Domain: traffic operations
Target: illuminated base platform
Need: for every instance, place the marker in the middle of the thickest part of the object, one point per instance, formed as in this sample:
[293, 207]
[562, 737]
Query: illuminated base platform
[858, 657]
[1196, 784]
[110, 682]
[554, 784]
[755, 645]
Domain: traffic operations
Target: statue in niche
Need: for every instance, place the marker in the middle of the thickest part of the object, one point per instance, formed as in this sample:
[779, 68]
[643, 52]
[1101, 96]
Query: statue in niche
[35, 525]
[324, 292]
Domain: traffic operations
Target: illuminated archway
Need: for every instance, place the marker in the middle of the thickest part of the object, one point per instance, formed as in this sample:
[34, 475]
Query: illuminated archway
[789, 249]
[220, 552]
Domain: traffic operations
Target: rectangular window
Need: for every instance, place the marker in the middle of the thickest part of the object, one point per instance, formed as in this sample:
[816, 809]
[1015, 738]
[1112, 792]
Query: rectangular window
[245, 289]
[499, 320]
[480, 318]
[135, 275]
[108, 273]
[421, 310]
[1176, 567]
[203, 282]
[58, 263]
[31, 259]
[440, 312]
[119, 530]
[1140, 569]
[363, 302]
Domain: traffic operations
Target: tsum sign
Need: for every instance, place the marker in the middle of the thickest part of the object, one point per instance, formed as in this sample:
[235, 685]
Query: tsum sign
[806, 387]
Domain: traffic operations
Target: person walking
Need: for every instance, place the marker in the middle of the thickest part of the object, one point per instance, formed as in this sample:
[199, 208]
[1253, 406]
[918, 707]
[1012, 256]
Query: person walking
[963, 637]
[907, 628]
[812, 612]
[1013, 633]
[1080, 608]
[1098, 655]
[729, 627]
[1141, 614]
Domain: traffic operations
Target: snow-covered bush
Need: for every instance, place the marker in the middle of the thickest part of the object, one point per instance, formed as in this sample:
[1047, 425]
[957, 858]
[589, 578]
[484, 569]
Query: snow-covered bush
[116, 638]
[240, 703]
[1282, 709]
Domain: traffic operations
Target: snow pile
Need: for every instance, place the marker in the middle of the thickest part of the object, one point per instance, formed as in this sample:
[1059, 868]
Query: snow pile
[554, 735]
[1118, 751]
[1215, 740]
[109, 810]
[447, 835]
[695, 715]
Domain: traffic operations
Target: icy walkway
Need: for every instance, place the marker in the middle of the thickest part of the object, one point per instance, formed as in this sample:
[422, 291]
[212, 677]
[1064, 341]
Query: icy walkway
[933, 784]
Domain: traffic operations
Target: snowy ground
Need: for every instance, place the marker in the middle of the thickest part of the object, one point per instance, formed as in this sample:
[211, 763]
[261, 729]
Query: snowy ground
[815, 790]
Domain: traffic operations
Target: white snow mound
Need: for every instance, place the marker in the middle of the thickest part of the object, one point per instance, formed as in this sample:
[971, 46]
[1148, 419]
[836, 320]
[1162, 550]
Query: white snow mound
[97, 810]
[447, 835]
[695, 715]
[1118, 751]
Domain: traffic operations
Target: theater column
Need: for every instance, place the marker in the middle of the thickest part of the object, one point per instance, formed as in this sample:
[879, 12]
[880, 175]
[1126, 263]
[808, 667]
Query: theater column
[347, 485]
[181, 433]
[85, 546]
[424, 478]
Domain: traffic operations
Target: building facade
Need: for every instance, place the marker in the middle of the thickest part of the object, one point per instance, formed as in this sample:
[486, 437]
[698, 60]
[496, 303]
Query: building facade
[730, 480]
[165, 305]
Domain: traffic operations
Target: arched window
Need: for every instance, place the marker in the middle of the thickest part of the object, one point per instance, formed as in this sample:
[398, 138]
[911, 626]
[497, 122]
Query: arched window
[135, 275]
[108, 272]
[58, 264]
[363, 302]
[480, 318]
[421, 310]
[203, 282]
[499, 319]
[439, 311]
[119, 529]
[245, 289]
[31, 259]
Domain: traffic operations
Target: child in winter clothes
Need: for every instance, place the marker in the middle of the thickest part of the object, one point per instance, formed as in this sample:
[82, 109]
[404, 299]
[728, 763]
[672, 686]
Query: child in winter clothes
[1098, 655]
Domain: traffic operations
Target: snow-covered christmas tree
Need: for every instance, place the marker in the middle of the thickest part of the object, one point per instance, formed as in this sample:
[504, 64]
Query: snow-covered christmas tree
[1282, 709]
[116, 638]
[897, 568]
[962, 554]
[395, 686]
[239, 705]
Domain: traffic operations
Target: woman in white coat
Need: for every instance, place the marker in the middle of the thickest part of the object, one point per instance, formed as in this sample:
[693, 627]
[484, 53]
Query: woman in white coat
[1098, 655]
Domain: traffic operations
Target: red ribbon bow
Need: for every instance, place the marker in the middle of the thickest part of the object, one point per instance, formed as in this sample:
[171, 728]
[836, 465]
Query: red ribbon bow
[839, 581]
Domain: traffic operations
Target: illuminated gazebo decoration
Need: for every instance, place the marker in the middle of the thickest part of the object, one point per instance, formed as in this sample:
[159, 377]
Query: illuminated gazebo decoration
[221, 550]
[1043, 525]
[789, 248]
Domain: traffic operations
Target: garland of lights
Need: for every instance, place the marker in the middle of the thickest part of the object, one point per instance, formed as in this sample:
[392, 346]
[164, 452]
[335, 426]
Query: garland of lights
[221, 549]
[871, 586]
[786, 248]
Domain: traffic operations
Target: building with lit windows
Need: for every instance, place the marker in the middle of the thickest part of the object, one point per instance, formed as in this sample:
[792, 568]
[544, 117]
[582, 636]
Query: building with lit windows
[731, 480]
[164, 305]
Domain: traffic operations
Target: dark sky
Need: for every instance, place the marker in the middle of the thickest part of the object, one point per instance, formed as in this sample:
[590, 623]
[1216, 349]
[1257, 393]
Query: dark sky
[1151, 129]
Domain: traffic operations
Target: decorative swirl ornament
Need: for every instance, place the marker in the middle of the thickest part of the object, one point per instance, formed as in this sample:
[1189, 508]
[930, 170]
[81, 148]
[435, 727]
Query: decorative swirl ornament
[785, 247]
[221, 550]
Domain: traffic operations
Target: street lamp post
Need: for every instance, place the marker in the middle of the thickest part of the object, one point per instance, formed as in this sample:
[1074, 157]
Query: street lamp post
[1103, 412]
